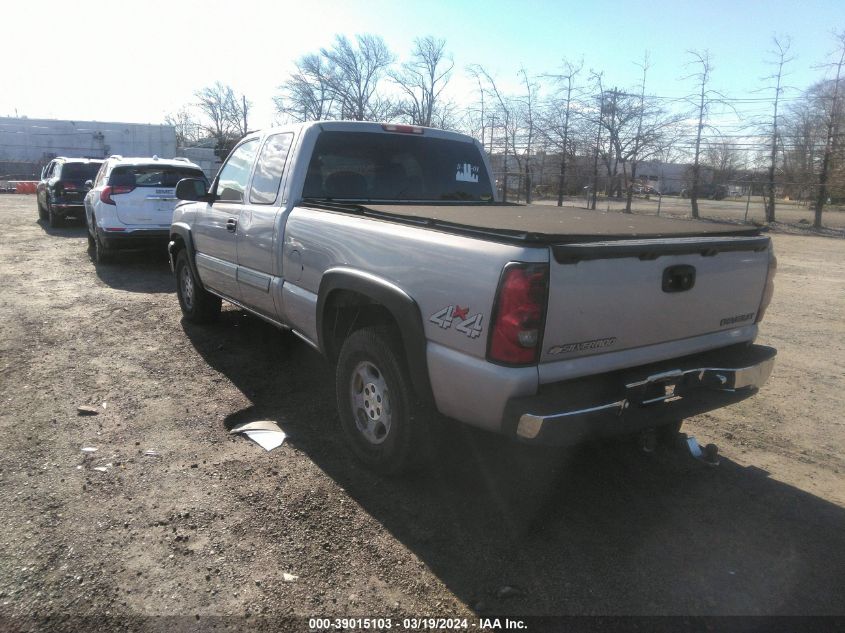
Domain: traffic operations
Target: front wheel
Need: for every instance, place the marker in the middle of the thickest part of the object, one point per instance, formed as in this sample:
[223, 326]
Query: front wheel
[375, 403]
[198, 305]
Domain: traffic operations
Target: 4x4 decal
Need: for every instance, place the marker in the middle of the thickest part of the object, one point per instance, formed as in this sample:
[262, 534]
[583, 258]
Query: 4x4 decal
[465, 324]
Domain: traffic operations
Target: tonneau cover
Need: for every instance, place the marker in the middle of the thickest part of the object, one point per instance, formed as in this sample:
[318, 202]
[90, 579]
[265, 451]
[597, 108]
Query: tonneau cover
[551, 223]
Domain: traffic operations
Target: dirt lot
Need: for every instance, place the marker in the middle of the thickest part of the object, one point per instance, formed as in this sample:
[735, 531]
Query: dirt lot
[210, 525]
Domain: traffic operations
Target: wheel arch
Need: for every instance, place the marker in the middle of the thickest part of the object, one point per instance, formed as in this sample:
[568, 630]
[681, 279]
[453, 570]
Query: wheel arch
[355, 298]
[181, 239]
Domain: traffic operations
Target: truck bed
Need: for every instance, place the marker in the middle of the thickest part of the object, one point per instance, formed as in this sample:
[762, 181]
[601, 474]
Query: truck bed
[544, 223]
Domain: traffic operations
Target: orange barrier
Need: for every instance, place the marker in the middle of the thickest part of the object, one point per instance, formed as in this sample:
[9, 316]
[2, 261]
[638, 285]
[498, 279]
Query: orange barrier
[25, 186]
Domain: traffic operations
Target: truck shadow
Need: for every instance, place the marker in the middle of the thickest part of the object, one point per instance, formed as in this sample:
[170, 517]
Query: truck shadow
[137, 271]
[605, 529]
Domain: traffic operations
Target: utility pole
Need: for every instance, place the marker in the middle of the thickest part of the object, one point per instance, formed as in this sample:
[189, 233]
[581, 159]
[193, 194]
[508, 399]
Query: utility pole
[246, 128]
[596, 154]
[613, 95]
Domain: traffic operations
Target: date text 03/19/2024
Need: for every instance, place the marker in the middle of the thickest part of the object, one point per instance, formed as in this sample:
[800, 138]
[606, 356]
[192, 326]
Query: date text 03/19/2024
[415, 624]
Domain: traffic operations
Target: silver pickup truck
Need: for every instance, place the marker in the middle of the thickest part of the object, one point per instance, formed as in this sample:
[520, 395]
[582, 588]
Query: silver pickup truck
[383, 247]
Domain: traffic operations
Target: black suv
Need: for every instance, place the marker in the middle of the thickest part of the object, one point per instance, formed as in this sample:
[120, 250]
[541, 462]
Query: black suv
[62, 188]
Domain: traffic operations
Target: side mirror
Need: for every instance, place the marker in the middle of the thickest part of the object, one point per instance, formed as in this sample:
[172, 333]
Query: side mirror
[89, 184]
[193, 189]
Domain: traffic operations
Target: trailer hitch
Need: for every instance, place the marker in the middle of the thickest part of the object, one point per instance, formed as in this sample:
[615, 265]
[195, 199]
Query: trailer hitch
[709, 454]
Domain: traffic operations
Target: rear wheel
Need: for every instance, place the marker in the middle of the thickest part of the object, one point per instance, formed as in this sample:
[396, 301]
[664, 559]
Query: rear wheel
[42, 214]
[54, 220]
[198, 305]
[102, 253]
[375, 402]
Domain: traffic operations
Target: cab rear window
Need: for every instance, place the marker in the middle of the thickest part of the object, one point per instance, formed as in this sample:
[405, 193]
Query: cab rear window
[152, 175]
[377, 166]
[80, 171]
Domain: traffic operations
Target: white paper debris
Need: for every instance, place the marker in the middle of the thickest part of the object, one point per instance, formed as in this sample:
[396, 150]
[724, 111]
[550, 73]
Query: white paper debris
[266, 434]
[89, 449]
[102, 469]
[268, 440]
[286, 577]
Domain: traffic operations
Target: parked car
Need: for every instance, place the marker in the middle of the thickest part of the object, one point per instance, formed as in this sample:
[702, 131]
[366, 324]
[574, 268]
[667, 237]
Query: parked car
[382, 247]
[59, 195]
[130, 203]
[711, 192]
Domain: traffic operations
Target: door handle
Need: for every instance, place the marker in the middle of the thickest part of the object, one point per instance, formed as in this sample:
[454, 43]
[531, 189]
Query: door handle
[231, 225]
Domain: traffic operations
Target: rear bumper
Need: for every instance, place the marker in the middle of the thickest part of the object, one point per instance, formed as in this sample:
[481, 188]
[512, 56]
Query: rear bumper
[135, 238]
[68, 209]
[627, 401]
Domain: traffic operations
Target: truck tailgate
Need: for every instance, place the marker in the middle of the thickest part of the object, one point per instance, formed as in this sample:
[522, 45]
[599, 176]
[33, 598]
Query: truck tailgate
[620, 294]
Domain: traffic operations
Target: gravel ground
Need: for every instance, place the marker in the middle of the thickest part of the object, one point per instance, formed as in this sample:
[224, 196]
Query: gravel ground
[213, 529]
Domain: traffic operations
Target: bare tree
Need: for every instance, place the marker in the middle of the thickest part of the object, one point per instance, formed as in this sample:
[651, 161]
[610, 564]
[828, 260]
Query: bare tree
[556, 126]
[780, 59]
[703, 107]
[306, 95]
[634, 132]
[832, 118]
[226, 115]
[639, 140]
[505, 113]
[422, 80]
[354, 75]
[528, 117]
[723, 159]
[188, 130]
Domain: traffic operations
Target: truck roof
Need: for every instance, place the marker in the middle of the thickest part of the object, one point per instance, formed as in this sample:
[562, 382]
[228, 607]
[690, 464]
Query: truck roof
[368, 126]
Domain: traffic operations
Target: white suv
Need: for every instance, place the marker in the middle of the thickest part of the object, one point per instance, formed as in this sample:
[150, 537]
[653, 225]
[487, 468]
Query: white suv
[131, 202]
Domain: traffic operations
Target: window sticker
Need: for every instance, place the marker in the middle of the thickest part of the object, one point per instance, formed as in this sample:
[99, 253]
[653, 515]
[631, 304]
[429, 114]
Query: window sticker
[466, 173]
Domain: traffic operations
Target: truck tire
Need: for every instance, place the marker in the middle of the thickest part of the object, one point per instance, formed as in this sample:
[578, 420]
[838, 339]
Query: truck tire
[42, 214]
[198, 305]
[375, 403]
[52, 219]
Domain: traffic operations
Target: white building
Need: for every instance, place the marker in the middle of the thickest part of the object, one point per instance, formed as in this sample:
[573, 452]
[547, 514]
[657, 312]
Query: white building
[39, 140]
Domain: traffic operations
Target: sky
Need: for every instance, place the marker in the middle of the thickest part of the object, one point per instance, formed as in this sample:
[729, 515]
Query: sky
[136, 62]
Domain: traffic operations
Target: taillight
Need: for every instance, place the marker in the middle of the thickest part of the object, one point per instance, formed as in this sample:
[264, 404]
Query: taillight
[109, 191]
[517, 323]
[769, 288]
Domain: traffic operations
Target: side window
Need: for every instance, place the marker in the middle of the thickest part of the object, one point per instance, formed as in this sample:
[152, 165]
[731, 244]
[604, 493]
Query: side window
[99, 177]
[231, 183]
[268, 171]
[57, 170]
[48, 173]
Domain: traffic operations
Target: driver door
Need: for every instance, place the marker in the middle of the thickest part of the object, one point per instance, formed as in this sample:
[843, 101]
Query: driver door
[216, 226]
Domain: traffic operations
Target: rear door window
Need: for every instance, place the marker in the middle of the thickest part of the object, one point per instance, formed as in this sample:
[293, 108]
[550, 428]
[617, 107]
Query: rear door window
[269, 170]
